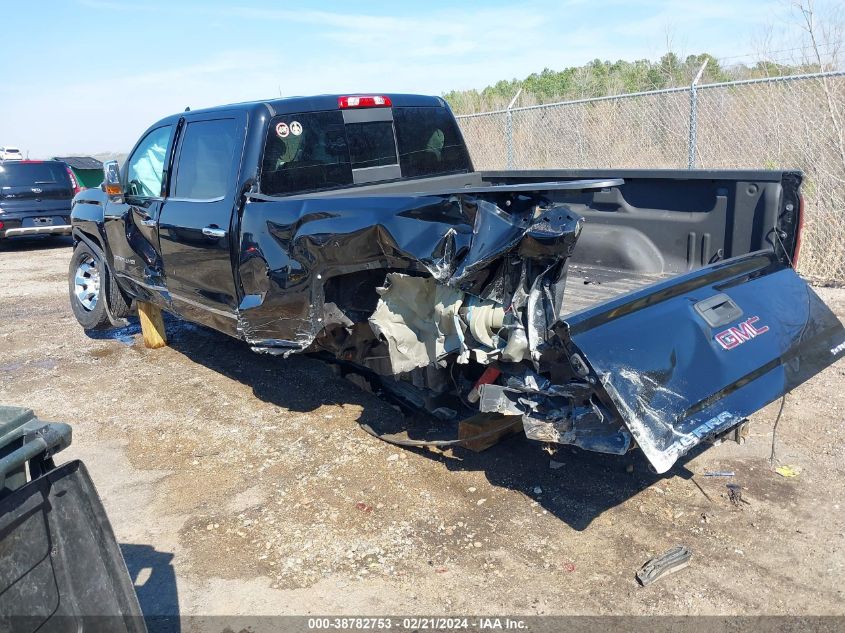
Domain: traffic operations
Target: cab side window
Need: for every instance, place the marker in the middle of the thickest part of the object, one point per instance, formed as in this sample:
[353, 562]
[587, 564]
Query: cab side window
[205, 159]
[145, 170]
[429, 142]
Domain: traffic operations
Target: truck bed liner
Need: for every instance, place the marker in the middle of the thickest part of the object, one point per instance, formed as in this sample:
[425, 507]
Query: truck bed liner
[588, 286]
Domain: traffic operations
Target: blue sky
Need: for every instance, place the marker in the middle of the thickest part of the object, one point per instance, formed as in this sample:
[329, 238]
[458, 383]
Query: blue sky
[91, 75]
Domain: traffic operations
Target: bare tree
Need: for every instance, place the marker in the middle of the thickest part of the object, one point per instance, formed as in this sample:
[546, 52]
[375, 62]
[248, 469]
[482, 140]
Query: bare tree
[824, 39]
[823, 34]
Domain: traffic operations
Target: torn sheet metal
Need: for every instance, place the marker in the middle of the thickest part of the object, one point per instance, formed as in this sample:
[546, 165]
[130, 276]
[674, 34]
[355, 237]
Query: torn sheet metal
[561, 414]
[467, 280]
[670, 561]
[292, 247]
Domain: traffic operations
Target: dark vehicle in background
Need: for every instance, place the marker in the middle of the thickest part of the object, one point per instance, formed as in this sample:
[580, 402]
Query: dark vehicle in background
[604, 309]
[35, 198]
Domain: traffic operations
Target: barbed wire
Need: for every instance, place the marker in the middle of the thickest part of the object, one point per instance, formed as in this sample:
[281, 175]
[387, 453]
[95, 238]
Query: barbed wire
[766, 55]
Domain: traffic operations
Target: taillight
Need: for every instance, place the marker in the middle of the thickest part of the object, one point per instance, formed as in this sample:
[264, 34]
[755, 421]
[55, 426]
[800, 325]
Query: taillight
[73, 182]
[800, 230]
[363, 101]
[1, 225]
[490, 375]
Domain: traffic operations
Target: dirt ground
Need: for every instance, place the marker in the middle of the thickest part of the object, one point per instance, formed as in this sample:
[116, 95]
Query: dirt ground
[242, 484]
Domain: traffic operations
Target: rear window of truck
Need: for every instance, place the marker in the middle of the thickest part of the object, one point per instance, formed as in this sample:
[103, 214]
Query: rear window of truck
[429, 142]
[311, 151]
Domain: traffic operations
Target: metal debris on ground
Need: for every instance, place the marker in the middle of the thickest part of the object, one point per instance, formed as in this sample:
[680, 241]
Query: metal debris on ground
[720, 473]
[667, 563]
[735, 495]
[788, 471]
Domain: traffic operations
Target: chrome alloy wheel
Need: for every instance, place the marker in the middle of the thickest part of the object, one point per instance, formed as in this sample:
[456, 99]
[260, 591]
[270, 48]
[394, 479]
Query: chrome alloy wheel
[87, 283]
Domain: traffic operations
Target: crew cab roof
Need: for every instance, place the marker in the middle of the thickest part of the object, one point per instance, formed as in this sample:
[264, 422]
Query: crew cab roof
[312, 104]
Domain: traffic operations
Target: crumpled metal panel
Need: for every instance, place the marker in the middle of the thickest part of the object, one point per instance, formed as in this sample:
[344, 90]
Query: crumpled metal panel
[559, 414]
[439, 253]
[291, 247]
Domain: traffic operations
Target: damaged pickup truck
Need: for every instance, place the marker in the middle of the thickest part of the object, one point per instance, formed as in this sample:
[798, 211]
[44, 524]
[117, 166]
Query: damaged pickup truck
[608, 310]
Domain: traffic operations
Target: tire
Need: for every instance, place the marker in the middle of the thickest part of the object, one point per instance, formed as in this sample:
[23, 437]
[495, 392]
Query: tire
[92, 291]
[119, 307]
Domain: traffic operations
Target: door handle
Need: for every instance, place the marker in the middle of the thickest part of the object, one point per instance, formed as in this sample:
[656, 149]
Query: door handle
[213, 231]
[718, 310]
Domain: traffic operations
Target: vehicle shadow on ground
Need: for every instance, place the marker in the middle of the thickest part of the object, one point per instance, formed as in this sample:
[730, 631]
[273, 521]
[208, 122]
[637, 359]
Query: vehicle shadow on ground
[44, 242]
[154, 579]
[584, 486]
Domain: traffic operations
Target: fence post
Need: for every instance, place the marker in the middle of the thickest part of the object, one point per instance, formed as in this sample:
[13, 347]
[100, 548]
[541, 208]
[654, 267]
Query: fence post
[693, 117]
[509, 129]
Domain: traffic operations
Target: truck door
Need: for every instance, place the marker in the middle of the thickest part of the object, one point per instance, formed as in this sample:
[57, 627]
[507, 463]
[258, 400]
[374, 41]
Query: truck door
[131, 221]
[196, 226]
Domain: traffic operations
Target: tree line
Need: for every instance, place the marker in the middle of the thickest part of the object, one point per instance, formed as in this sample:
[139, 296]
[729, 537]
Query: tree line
[601, 78]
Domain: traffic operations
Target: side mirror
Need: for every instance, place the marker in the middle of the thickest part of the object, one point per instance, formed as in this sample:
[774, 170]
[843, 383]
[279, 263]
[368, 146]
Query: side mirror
[111, 179]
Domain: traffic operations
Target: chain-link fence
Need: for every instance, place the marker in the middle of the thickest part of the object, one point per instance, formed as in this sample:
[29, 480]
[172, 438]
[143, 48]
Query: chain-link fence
[793, 122]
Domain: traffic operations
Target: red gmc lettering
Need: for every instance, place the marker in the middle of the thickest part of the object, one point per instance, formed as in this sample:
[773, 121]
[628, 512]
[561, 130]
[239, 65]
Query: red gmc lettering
[740, 333]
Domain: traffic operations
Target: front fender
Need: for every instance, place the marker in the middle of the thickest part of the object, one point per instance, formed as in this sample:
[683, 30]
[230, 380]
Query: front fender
[87, 214]
[89, 205]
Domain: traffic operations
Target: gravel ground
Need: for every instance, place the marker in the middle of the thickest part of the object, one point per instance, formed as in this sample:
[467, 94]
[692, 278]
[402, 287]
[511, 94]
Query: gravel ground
[241, 484]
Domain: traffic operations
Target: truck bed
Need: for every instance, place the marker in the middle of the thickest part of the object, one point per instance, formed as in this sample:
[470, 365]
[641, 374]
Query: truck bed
[659, 224]
[587, 286]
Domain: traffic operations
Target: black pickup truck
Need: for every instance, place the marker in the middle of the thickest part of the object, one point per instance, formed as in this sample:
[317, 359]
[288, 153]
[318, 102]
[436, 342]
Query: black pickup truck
[608, 309]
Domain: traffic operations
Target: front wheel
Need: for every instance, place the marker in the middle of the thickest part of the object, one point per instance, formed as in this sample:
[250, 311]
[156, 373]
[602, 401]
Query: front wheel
[90, 289]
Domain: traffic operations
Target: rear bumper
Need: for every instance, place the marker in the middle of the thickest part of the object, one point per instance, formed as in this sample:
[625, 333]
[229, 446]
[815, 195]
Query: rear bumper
[60, 229]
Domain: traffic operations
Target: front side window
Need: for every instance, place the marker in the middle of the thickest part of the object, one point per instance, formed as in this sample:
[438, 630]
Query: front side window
[145, 170]
[205, 160]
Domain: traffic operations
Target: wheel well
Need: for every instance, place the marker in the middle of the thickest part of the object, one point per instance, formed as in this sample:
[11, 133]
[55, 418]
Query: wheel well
[355, 293]
[92, 240]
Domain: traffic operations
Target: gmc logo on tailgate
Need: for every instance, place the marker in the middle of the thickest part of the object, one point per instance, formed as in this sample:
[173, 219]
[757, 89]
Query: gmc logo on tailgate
[740, 333]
